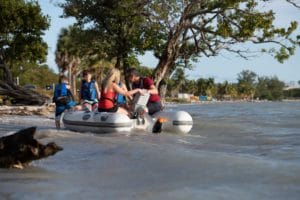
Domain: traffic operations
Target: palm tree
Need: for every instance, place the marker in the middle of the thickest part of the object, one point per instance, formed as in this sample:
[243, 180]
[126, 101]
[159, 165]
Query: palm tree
[179, 78]
[67, 55]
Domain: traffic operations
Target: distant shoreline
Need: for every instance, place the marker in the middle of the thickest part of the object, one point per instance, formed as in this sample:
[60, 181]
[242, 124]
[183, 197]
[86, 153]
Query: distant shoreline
[230, 101]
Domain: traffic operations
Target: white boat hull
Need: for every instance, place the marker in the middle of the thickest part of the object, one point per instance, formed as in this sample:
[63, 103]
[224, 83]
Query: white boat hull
[103, 122]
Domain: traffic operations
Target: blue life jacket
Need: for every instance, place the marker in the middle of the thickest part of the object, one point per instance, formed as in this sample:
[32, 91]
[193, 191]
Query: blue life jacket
[88, 91]
[120, 98]
[60, 90]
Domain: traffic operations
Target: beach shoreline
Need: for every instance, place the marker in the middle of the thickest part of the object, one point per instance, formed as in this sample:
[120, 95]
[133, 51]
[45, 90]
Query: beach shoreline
[44, 110]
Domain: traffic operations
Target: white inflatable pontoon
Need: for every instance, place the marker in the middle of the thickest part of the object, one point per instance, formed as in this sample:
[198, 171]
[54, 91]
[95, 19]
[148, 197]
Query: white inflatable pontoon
[104, 122]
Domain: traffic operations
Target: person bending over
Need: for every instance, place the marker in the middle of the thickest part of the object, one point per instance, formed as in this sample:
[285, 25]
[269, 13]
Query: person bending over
[146, 83]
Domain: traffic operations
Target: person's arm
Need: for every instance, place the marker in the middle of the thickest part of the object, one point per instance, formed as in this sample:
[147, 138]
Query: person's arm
[124, 87]
[80, 93]
[97, 90]
[134, 91]
[128, 94]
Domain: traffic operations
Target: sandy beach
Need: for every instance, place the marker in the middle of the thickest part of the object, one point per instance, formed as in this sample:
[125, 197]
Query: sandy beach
[45, 110]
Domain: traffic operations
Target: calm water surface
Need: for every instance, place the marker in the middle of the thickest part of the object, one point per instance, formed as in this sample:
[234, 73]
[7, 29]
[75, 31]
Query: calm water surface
[234, 151]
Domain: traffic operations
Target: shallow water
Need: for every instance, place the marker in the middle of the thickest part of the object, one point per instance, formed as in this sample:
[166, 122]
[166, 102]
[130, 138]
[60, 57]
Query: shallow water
[234, 151]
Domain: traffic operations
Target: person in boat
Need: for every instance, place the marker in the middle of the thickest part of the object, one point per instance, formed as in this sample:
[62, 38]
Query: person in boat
[109, 90]
[62, 98]
[147, 84]
[89, 92]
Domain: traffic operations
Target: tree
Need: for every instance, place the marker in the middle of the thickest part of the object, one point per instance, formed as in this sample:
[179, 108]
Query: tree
[181, 31]
[21, 44]
[232, 91]
[179, 78]
[246, 83]
[77, 50]
[206, 28]
[67, 54]
[222, 89]
[206, 87]
[269, 88]
[294, 3]
[191, 86]
[118, 26]
[38, 75]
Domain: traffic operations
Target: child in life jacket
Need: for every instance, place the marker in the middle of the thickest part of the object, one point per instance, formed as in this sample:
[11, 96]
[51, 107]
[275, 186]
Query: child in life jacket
[89, 92]
[63, 99]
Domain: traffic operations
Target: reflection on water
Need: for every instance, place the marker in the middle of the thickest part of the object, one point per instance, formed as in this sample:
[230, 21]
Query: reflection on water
[234, 151]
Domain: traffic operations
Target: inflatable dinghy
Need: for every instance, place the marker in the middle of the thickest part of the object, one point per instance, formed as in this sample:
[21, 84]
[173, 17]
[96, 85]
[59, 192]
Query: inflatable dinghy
[105, 122]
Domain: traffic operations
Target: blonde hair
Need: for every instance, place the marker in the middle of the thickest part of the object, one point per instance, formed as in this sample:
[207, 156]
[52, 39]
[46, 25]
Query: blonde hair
[113, 75]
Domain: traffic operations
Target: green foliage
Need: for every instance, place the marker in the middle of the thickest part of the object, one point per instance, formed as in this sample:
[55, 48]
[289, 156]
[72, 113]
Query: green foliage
[248, 87]
[206, 87]
[180, 78]
[179, 32]
[145, 71]
[68, 49]
[269, 88]
[38, 75]
[118, 27]
[292, 93]
[246, 82]
[21, 30]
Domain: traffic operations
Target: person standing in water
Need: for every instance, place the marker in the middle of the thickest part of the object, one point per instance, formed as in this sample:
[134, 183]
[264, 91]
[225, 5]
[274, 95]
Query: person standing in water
[62, 98]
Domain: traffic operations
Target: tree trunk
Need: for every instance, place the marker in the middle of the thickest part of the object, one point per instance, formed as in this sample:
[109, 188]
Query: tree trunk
[165, 68]
[7, 76]
[167, 61]
[19, 95]
[72, 75]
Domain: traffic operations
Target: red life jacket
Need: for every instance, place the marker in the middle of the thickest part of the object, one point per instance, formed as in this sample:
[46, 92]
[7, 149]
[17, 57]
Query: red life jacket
[107, 100]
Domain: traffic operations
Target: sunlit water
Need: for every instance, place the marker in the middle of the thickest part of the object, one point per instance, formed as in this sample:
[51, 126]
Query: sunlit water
[234, 151]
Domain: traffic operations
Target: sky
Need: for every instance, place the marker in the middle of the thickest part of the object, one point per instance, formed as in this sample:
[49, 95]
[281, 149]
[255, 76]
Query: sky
[224, 67]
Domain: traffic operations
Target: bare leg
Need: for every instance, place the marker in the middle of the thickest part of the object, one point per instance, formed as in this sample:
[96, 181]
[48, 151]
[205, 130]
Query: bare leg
[57, 121]
[57, 124]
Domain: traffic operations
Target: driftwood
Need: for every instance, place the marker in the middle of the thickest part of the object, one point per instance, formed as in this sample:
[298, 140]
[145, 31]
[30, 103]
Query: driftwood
[21, 95]
[19, 149]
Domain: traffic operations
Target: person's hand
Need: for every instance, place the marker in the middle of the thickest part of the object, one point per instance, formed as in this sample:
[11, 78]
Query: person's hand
[130, 97]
